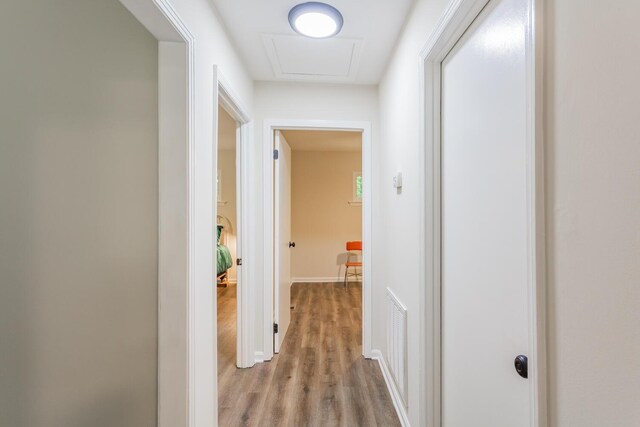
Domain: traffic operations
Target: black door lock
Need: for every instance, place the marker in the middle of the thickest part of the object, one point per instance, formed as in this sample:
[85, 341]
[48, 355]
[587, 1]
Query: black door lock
[521, 366]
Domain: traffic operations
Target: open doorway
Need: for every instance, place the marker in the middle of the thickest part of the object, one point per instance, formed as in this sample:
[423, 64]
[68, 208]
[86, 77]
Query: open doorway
[319, 201]
[227, 228]
[326, 205]
[230, 219]
[318, 227]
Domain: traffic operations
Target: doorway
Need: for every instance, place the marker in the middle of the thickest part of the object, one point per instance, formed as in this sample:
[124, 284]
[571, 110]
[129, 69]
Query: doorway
[318, 212]
[227, 248]
[276, 288]
[232, 277]
[483, 235]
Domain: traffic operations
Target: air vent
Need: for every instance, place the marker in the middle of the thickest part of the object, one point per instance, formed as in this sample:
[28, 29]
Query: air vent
[397, 343]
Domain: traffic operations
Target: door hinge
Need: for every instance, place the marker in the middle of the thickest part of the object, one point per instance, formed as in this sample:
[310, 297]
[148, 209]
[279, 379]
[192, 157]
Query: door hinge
[275, 328]
[239, 261]
[276, 154]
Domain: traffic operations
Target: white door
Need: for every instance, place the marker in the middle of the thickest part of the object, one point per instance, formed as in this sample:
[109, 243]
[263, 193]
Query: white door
[282, 223]
[239, 223]
[485, 323]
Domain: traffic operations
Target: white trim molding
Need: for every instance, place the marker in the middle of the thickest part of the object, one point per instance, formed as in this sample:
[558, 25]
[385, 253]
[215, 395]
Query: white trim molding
[396, 397]
[259, 357]
[269, 127]
[456, 19]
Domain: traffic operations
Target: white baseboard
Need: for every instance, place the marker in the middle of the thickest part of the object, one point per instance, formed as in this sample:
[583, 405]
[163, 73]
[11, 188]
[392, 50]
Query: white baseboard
[321, 279]
[259, 357]
[401, 410]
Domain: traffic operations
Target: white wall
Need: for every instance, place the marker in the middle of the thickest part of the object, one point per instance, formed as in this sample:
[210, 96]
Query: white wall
[212, 48]
[302, 101]
[593, 205]
[593, 196]
[322, 220]
[397, 215]
[78, 215]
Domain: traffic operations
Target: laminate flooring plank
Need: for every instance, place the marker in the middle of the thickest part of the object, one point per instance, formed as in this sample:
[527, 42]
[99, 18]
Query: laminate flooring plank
[319, 378]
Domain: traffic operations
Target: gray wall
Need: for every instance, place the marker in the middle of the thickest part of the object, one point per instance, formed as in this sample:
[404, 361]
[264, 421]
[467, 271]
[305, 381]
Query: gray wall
[78, 215]
[593, 214]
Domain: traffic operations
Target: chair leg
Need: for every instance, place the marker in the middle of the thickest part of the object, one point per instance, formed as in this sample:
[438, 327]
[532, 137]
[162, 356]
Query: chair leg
[224, 279]
[346, 270]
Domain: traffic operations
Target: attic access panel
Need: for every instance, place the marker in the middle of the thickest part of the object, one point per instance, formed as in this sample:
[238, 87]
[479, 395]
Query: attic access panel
[302, 58]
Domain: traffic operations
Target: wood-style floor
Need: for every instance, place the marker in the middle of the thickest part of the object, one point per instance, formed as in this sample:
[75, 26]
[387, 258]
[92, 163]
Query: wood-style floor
[319, 378]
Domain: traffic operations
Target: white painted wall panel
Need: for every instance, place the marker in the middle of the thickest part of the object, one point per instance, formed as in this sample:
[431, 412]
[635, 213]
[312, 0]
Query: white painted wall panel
[397, 214]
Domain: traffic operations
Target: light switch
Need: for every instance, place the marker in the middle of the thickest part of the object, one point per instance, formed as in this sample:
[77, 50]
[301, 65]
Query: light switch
[397, 180]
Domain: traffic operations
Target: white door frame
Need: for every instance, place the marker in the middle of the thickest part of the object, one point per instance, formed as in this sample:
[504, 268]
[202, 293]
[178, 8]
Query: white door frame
[457, 18]
[232, 104]
[271, 125]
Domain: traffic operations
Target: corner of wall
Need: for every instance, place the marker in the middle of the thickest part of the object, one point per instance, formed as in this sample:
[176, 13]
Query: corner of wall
[401, 410]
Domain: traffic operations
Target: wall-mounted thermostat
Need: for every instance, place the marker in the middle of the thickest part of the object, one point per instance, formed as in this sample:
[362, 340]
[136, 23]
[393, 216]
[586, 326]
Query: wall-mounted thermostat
[397, 180]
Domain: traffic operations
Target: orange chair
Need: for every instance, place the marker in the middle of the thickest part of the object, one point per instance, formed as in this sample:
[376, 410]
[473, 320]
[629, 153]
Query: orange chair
[352, 246]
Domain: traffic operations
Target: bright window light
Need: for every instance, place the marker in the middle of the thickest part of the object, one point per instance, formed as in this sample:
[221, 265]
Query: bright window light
[357, 186]
[316, 20]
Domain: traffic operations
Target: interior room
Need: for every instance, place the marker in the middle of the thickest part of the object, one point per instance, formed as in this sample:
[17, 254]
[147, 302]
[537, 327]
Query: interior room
[326, 205]
[226, 251]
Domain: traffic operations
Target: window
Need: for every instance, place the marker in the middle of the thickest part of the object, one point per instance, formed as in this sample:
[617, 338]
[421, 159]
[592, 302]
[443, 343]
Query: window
[357, 187]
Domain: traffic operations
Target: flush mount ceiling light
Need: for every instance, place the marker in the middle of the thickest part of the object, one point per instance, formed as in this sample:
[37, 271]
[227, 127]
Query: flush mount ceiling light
[316, 20]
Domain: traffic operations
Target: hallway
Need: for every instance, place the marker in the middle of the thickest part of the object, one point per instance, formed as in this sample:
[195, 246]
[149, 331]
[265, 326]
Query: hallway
[319, 378]
[483, 155]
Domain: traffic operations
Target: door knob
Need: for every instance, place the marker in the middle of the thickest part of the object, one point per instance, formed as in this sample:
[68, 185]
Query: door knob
[521, 366]
[292, 244]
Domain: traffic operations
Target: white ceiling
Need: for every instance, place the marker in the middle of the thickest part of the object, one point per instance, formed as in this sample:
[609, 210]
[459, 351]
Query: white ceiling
[323, 140]
[274, 52]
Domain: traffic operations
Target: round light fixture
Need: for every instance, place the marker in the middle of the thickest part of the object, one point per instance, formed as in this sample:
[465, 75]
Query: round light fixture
[316, 20]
